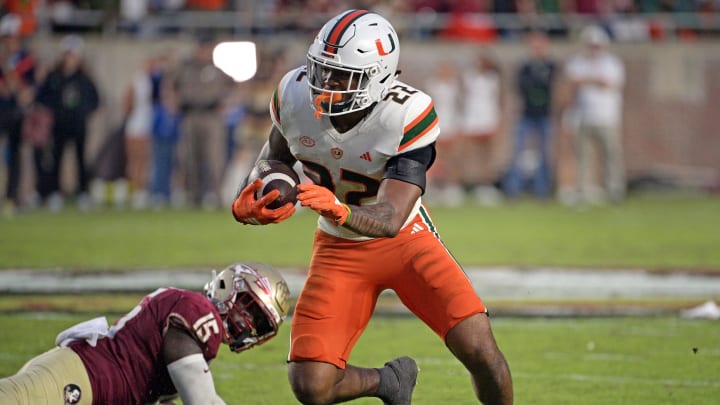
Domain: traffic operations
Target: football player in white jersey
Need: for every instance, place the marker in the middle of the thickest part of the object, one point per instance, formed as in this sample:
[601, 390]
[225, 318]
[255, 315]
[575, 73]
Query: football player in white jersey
[366, 140]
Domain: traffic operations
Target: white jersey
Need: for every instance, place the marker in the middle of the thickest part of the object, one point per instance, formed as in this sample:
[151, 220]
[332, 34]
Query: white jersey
[481, 98]
[352, 163]
[598, 105]
[446, 94]
[139, 121]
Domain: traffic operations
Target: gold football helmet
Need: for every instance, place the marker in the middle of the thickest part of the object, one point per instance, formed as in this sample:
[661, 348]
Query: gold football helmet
[253, 300]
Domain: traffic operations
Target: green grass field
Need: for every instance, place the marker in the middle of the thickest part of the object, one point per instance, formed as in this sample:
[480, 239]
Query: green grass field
[620, 360]
[593, 361]
[667, 232]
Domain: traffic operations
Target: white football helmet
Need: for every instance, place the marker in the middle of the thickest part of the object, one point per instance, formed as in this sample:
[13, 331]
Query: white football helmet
[358, 49]
[253, 300]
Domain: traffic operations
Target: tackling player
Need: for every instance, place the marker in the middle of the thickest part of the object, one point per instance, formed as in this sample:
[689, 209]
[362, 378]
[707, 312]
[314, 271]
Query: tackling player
[161, 349]
[366, 140]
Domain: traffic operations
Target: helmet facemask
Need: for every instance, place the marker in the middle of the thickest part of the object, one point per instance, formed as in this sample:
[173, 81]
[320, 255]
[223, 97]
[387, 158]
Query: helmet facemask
[351, 96]
[247, 323]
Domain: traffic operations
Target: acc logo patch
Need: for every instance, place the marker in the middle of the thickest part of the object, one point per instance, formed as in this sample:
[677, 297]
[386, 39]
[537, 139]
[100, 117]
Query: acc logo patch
[337, 153]
[307, 141]
[71, 394]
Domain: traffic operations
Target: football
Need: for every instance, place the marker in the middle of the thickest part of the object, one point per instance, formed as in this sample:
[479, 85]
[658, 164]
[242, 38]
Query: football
[276, 175]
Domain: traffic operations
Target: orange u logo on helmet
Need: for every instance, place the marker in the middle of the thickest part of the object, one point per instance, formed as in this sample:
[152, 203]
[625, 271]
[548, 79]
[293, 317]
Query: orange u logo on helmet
[381, 48]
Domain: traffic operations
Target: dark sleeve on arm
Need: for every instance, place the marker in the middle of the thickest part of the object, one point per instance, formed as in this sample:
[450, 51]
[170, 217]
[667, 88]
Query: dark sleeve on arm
[412, 166]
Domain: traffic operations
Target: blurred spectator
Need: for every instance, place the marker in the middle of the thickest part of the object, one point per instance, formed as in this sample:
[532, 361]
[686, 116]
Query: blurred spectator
[234, 114]
[251, 133]
[554, 25]
[656, 6]
[482, 101]
[202, 89]
[207, 4]
[166, 5]
[70, 92]
[550, 6]
[17, 81]
[133, 12]
[165, 130]
[587, 6]
[597, 77]
[257, 121]
[109, 183]
[26, 10]
[474, 20]
[506, 8]
[444, 176]
[61, 14]
[535, 86]
[138, 127]
[473, 27]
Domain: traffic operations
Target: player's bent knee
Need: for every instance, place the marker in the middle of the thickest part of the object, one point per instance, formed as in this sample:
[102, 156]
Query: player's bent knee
[472, 342]
[312, 382]
[311, 397]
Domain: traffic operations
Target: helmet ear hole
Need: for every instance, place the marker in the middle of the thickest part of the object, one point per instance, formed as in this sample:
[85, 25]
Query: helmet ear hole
[362, 101]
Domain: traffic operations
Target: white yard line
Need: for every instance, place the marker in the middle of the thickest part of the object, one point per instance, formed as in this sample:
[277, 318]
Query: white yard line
[495, 284]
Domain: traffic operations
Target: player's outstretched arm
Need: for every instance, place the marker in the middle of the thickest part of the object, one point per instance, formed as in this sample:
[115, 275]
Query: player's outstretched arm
[188, 369]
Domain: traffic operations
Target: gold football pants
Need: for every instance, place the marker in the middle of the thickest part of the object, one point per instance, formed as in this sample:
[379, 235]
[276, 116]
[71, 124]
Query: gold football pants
[56, 377]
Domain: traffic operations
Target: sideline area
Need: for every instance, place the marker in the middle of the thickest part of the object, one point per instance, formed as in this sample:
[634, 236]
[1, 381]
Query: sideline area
[507, 291]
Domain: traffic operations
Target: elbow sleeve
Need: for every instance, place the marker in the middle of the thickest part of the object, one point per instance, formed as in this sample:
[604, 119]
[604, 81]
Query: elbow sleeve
[193, 381]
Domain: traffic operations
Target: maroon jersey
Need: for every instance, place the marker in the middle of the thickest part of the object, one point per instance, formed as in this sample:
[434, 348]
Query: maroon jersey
[127, 367]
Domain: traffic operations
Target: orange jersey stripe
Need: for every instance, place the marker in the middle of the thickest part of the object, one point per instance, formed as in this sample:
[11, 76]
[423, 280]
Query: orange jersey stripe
[333, 38]
[421, 125]
[419, 118]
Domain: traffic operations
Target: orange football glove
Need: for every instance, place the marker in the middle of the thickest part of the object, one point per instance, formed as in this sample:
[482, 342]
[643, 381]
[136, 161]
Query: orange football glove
[249, 211]
[324, 202]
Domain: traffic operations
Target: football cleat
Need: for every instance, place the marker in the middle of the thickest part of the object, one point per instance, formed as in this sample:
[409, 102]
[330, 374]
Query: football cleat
[406, 371]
